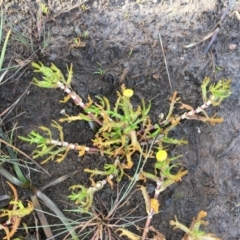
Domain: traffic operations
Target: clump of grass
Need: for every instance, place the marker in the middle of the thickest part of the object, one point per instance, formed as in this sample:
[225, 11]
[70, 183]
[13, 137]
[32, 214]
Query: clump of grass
[32, 36]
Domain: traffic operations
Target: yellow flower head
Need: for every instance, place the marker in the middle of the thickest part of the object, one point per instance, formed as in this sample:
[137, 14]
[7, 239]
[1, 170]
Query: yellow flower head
[128, 92]
[161, 155]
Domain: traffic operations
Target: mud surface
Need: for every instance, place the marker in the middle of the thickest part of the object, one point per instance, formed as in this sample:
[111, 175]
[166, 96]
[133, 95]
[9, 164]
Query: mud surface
[122, 38]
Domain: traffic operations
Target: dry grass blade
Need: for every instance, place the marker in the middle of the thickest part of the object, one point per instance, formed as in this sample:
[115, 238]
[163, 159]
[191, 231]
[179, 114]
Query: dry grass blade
[165, 61]
[123, 75]
[51, 205]
[10, 177]
[41, 216]
[195, 43]
[5, 197]
[61, 179]
[2, 76]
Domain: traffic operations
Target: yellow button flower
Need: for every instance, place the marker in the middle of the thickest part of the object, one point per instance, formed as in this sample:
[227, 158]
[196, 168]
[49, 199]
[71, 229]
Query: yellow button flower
[161, 155]
[128, 92]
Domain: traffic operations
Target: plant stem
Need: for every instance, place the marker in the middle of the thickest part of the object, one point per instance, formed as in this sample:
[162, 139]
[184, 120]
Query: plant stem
[134, 140]
[72, 146]
[151, 212]
[77, 100]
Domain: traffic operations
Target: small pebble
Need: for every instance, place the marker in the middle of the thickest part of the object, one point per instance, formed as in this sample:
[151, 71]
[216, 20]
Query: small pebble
[63, 112]
[77, 30]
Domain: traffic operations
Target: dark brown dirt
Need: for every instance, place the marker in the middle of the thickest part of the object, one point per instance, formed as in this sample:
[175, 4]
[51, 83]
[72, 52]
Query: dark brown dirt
[116, 28]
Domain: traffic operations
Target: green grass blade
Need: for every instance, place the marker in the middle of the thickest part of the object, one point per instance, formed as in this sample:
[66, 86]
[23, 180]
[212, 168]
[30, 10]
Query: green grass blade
[14, 160]
[11, 178]
[4, 49]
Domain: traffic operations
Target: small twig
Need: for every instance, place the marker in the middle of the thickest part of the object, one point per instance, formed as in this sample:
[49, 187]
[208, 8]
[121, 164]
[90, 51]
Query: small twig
[214, 35]
[123, 75]
[216, 29]
[59, 180]
[169, 79]
[195, 43]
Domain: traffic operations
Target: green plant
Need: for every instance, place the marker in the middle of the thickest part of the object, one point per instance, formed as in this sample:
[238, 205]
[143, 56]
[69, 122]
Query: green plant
[130, 52]
[44, 8]
[126, 15]
[14, 214]
[77, 43]
[85, 34]
[193, 232]
[99, 71]
[84, 7]
[123, 132]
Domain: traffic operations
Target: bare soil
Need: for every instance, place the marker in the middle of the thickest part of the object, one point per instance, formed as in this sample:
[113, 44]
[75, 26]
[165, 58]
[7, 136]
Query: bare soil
[122, 38]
